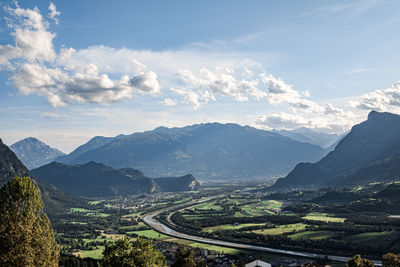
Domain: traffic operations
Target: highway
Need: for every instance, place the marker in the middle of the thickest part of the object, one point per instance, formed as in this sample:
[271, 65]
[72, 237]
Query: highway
[159, 227]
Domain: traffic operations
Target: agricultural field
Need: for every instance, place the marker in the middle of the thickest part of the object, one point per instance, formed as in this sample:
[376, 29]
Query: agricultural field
[95, 253]
[209, 206]
[375, 239]
[282, 229]
[243, 217]
[151, 234]
[315, 216]
[314, 235]
[231, 227]
[219, 249]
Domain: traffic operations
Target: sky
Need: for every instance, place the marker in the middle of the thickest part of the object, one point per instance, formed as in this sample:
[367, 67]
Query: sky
[72, 70]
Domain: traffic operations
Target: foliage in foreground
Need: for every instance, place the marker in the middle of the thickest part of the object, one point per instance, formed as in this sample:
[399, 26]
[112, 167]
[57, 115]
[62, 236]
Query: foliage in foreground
[391, 260]
[357, 261]
[26, 236]
[184, 257]
[140, 253]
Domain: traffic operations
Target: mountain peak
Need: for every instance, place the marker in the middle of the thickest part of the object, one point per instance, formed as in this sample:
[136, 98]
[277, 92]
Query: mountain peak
[368, 153]
[373, 114]
[32, 139]
[381, 115]
[205, 150]
[34, 153]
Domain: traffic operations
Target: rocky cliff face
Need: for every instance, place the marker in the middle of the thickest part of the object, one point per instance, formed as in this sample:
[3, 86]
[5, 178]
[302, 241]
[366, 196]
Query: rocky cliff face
[33, 153]
[10, 165]
[370, 152]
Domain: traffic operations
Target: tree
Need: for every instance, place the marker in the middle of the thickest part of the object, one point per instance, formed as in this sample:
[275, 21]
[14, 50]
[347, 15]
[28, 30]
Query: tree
[26, 236]
[390, 260]
[184, 257]
[123, 253]
[357, 261]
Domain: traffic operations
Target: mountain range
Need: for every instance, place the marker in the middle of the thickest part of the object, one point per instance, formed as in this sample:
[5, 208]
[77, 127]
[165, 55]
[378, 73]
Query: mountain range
[54, 200]
[98, 180]
[307, 135]
[210, 150]
[34, 153]
[369, 153]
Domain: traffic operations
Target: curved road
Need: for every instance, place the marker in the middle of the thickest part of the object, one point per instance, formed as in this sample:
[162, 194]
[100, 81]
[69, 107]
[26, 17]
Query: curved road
[159, 227]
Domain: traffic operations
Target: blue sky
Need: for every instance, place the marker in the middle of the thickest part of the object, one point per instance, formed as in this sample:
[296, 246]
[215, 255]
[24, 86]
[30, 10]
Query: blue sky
[71, 70]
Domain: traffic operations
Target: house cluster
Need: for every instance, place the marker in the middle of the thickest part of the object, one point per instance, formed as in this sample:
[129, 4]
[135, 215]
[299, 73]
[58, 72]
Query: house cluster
[209, 257]
[216, 259]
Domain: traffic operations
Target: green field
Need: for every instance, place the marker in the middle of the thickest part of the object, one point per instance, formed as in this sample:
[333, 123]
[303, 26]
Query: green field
[208, 206]
[375, 239]
[93, 213]
[134, 227]
[78, 223]
[315, 216]
[221, 249]
[281, 229]
[261, 208]
[314, 235]
[272, 204]
[149, 234]
[97, 214]
[231, 227]
[95, 254]
[79, 210]
[224, 250]
[95, 202]
[186, 199]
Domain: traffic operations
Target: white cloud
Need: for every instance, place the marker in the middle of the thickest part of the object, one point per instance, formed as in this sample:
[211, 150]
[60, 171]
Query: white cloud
[32, 39]
[169, 102]
[242, 85]
[101, 74]
[146, 82]
[53, 12]
[380, 100]
[36, 68]
[321, 122]
[331, 110]
[191, 97]
[89, 86]
[282, 120]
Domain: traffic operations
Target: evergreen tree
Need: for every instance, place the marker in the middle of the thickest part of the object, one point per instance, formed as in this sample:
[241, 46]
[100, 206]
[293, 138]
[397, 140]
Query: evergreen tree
[357, 261]
[390, 260]
[26, 236]
[139, 253]
[184, 257]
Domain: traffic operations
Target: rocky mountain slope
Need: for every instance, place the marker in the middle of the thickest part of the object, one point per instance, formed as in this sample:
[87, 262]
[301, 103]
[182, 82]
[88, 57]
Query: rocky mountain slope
[54, 200]
[98, 180]
[211, 150]
[312, 137]
[34, 153]
[370, 152]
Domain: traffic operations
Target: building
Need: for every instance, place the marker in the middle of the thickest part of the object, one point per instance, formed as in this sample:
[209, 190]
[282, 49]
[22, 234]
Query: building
[258, 263]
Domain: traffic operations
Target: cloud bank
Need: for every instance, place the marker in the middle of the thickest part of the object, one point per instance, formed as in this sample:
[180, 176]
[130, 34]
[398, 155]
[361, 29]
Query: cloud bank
[35, 69]
[103, 75]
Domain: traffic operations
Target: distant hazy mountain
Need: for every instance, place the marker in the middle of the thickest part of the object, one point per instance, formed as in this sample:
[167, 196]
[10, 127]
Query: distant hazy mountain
[370, 152]
[307, 135]
[93, 143]
[54, 200]
[98, 180]
[211, 150]
[33, 153]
